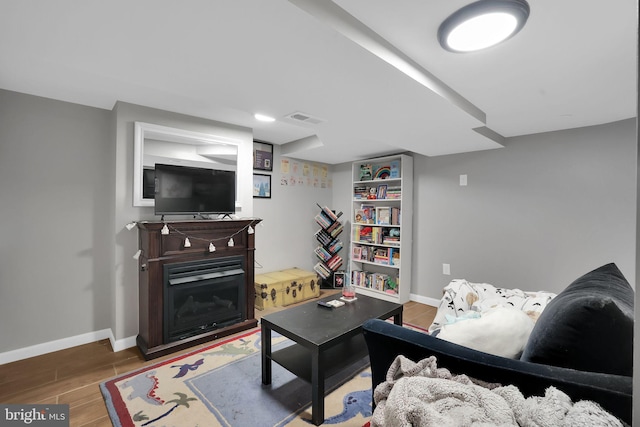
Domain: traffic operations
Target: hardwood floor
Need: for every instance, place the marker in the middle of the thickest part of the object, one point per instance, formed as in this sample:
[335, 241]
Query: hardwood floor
[72, 376]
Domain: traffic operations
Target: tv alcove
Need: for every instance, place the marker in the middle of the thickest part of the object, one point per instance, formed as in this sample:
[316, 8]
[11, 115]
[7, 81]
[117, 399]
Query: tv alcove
[166, 264]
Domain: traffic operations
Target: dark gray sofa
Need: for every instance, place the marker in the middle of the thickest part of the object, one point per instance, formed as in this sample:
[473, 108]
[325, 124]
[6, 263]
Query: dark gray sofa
[582, 344]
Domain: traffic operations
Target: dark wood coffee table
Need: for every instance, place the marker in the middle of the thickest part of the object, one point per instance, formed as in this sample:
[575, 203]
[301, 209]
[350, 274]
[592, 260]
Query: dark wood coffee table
[327, 340]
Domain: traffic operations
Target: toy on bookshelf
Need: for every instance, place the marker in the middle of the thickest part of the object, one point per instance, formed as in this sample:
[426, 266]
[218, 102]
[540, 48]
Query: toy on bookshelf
[366, 172]
[383, 172]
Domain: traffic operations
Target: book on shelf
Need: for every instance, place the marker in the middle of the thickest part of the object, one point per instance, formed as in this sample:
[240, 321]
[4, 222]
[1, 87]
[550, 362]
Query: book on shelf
[368, 213]
[394, 192]
[366, 253]
[356, 253]
[383, 215]
[322, 270]
[395, 257]
[326, 237]
[334, 226]
[329, 213]
[377, 235]
[334, 262]
[323, 237]
[395, 216]
[334, 231]
[378, 281]
[381, 256]
[394, 169]
[322, 221]
[362, 233]
[322, 253]
[360, 192]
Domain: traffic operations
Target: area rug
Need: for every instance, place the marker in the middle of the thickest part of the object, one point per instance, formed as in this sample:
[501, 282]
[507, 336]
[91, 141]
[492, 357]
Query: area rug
[221, 385]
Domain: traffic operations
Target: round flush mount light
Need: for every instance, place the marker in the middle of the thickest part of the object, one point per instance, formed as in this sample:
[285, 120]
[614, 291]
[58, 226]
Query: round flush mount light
[482, 24]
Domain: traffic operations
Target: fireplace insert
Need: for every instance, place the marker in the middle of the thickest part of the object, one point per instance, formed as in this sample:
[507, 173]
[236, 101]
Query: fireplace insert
[201, 296]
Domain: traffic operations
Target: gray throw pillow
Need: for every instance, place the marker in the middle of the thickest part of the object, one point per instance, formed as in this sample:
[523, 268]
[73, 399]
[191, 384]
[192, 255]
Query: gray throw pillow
[588, 326]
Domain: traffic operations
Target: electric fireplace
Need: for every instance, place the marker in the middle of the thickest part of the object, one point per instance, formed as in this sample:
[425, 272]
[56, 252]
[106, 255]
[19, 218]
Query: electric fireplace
[202, 296]
[190, 295]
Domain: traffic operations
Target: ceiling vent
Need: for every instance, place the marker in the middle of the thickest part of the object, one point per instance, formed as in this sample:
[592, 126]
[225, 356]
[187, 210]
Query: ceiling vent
[304, 118]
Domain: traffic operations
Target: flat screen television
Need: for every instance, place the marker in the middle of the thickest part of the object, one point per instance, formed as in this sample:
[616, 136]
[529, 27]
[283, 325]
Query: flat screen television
[195, 191]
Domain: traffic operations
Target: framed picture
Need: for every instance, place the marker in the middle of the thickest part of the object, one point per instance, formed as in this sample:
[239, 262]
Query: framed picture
[357, 252]
[262, 156]
[382, 191]
[383, 216]
[338, 279]
[261, 186]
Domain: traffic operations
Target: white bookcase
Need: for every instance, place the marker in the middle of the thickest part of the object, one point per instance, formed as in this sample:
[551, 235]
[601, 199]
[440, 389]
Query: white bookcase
[381, 227]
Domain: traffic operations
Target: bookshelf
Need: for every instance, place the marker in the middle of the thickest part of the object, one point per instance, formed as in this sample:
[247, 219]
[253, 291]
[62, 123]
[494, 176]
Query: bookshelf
[329, 244]
[381, 227]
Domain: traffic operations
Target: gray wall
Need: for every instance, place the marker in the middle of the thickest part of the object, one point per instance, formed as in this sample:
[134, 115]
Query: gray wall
[535, 215]
[285, 238]
[56, 217]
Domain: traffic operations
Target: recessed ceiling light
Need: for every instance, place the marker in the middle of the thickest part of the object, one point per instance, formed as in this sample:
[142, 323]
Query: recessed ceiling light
[482, 24]
[264, 118]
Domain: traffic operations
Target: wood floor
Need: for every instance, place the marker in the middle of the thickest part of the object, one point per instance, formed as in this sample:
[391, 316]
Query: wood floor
[72, 376]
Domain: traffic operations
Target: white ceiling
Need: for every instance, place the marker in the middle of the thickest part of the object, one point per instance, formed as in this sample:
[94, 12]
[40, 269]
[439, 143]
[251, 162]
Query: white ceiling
[574, 64]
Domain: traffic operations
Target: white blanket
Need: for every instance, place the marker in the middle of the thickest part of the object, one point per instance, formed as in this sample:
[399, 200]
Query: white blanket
[423, 395]
[460, 298]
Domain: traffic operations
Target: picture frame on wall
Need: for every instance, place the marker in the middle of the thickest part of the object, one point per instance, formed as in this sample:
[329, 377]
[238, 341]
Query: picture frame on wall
[262, 156]
[261, 186]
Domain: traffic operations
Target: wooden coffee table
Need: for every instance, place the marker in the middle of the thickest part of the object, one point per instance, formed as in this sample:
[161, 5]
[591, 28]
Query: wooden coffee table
[327, 341]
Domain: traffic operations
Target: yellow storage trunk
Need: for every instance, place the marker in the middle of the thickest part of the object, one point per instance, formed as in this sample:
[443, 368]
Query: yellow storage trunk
[281, 288]
[267, 292]
[309, 280]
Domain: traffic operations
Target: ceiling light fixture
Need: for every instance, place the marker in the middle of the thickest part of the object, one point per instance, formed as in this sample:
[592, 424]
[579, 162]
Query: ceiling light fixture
[482, 24]
[264, 118]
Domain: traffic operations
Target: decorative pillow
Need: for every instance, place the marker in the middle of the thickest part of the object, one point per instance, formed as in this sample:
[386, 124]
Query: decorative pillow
[503, 331]
[588, 326]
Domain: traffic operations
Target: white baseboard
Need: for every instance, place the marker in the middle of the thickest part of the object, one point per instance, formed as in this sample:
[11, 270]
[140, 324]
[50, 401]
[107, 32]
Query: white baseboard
[425, 300]
[123, 344]
[64, 343]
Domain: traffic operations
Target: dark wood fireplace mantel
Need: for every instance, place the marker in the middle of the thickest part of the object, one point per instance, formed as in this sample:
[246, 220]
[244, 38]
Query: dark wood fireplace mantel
[158, 249]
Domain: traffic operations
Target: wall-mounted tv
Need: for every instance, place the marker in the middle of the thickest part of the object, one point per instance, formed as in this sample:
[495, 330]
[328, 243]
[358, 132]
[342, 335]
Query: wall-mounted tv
[189, 190]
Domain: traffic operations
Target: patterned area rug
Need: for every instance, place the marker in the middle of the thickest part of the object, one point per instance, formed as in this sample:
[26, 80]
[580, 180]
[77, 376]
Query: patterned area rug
[221, 385]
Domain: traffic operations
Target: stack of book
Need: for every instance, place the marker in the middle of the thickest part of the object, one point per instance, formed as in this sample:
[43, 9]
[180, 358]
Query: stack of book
[362, 233]
[325, 269]
[394, 192]
[360, 192]
[391, 236]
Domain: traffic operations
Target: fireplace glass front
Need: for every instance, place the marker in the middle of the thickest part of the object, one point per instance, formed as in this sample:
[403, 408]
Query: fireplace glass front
[202, 296]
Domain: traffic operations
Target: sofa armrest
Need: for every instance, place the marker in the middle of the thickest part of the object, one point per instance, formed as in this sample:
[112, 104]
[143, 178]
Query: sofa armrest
[385, 341]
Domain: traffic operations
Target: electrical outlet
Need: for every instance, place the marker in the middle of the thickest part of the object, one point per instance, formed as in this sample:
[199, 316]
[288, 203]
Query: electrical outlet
[463, 180]
[446, 269]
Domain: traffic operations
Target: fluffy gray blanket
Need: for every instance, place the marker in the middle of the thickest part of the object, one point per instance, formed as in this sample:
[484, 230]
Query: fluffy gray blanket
[421, 394]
